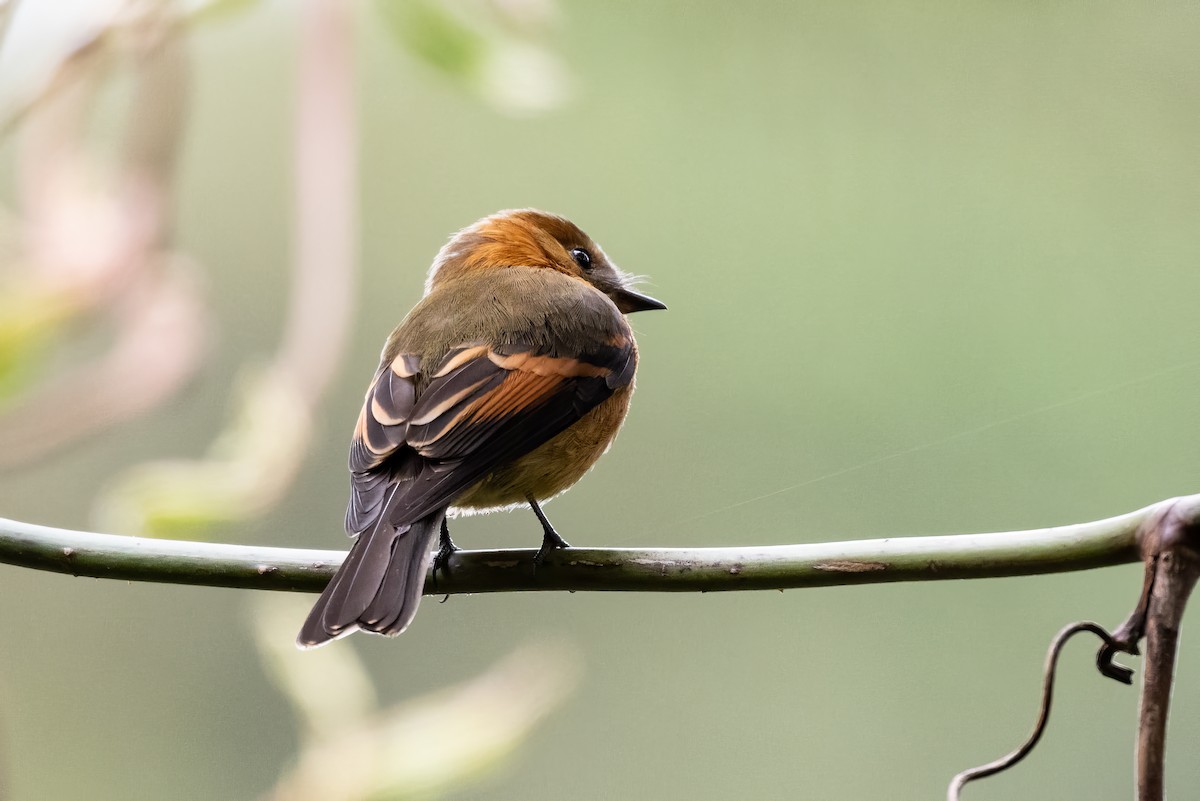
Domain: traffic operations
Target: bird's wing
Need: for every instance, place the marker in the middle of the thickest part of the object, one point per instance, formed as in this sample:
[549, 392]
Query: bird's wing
[484, 405]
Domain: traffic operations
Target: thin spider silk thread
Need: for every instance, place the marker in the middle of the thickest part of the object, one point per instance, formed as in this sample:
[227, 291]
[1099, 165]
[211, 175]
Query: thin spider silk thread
[883, 458]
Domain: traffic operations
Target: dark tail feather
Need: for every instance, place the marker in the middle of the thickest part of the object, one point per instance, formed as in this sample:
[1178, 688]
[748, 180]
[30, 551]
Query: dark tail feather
[379, 585]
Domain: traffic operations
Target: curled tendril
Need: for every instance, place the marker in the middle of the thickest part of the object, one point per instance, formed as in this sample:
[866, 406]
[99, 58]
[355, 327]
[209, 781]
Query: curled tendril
[1112, 646]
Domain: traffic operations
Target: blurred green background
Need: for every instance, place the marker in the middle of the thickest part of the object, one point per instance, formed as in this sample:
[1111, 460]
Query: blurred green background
[962, 236]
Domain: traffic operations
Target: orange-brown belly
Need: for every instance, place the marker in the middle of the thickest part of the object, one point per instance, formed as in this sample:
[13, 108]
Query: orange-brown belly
[553, 466]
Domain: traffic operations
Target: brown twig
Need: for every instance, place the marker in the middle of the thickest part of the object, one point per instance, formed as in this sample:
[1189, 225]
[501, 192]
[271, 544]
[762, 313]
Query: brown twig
[1169, 541]
[1117, 672]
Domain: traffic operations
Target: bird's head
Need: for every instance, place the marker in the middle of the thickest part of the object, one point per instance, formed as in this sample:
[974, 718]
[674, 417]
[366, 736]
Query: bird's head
[532, 238]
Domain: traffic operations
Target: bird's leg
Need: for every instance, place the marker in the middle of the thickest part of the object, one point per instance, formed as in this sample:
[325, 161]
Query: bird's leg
[550, 538]
[446, 549]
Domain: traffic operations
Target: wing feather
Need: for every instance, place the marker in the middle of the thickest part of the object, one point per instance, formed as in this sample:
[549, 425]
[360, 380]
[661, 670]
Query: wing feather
[482, 407]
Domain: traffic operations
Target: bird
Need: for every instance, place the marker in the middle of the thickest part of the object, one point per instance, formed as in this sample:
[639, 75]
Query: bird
[501, 388]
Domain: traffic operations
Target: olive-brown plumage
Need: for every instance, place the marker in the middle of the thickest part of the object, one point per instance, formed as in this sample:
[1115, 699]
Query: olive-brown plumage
[503, 386]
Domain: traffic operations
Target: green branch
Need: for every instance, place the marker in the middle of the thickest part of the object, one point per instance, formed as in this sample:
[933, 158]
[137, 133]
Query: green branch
[775, 567]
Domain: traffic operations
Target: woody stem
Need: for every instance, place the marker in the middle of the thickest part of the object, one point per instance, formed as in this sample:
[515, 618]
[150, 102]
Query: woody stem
[1049, 550]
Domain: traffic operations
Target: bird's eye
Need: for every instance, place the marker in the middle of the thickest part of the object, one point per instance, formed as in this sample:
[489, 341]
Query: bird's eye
[582, 258]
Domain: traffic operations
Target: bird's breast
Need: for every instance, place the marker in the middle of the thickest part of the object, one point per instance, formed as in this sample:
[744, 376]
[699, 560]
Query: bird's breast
[553, 466]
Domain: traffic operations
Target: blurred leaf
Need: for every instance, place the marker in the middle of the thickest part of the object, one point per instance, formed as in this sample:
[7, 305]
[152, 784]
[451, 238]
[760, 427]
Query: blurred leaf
[490, 53]
[522, 77]
[156, 338]
[220, 10]
[328, 687]
[435, 35]
[28, 322]
[27, 316]
[248, 467]
[421, 748]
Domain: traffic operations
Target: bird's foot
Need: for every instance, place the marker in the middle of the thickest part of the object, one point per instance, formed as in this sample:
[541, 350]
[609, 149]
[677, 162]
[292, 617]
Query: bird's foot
[551, 540]
[446, 549]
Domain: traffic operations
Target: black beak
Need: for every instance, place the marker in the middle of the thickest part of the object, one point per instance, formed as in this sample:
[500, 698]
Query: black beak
[629, 301]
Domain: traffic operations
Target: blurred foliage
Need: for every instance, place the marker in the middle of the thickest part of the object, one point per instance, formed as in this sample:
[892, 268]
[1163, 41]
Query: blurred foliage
[254, 460]
[27, 323]
[492, 49]
[929, 269]
[350, 750]
[219, 10]
[91, 287]
[437, 36]
[421, 748]
[247, 470]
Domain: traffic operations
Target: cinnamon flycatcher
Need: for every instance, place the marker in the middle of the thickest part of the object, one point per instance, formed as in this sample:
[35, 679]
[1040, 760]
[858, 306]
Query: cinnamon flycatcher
[502, 387]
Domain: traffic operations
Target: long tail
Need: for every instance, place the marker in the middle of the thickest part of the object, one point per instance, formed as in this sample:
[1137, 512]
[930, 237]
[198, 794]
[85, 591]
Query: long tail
[379, 585]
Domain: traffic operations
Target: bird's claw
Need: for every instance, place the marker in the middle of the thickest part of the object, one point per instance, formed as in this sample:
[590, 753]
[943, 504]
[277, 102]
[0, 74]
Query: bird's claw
[551, 541]
[446, 549]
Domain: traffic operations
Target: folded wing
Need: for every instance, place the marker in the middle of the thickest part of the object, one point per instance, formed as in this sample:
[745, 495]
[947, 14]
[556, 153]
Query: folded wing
[481, 407]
